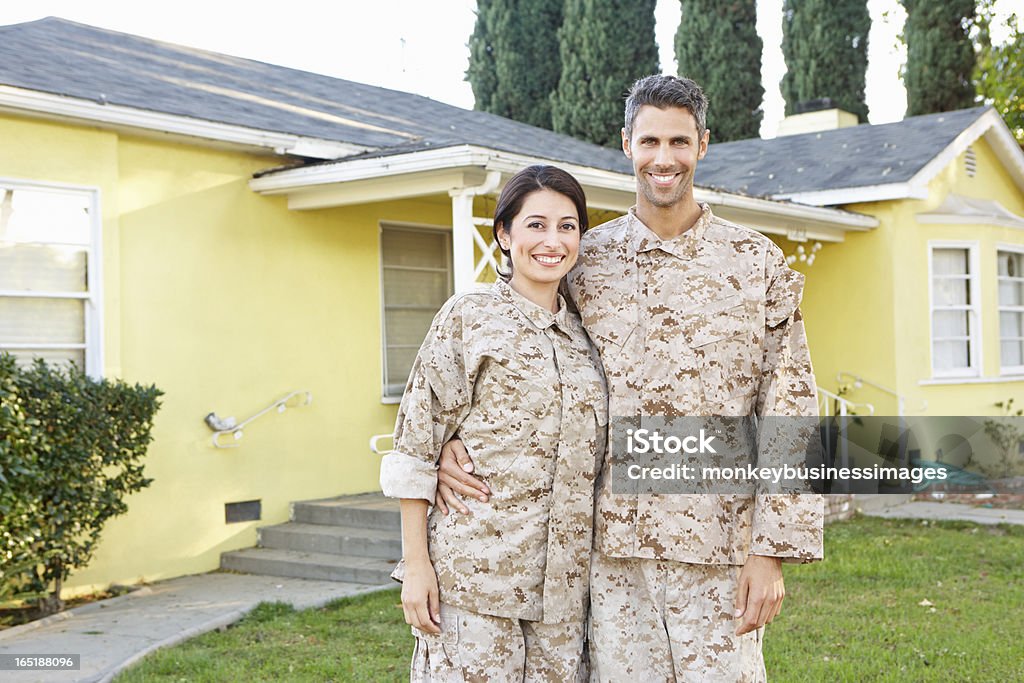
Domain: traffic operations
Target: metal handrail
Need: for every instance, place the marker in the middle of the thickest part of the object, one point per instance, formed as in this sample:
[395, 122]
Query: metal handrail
[901, 400]
[222, 426]
[376, 438]
[846, 407]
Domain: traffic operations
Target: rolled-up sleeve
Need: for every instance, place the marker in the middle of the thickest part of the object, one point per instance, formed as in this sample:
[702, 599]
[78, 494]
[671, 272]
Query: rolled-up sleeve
[435, 403]
[787, 525]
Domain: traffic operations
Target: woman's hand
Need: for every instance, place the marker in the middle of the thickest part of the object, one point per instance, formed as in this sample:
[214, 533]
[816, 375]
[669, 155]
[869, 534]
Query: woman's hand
[420, 596]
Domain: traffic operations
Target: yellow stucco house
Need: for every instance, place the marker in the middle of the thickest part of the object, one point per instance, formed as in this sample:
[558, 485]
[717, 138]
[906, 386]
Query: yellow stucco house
[238, 233]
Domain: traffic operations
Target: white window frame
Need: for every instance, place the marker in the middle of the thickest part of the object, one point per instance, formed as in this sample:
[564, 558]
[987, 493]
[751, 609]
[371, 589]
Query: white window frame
[1006, 370]
[403, 225]
[974, 338]
[93, 297]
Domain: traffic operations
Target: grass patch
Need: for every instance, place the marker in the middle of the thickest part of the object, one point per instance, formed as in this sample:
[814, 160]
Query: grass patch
[854, 617]
[858, 616]
[359, 639]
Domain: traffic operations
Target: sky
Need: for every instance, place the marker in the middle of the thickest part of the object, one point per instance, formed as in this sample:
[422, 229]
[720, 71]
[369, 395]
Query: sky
[419, 46]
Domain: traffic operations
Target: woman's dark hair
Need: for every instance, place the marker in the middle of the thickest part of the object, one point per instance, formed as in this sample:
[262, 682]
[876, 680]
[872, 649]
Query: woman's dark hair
[532, 179]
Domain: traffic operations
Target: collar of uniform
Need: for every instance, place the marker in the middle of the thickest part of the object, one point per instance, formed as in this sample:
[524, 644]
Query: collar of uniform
[644, 239]
[538, 315]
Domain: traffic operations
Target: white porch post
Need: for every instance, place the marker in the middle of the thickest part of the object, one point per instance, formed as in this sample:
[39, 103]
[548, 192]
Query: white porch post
[462, 239]
[464, 229]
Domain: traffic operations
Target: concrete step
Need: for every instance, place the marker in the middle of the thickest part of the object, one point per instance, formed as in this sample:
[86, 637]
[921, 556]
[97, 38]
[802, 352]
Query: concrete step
[368, 510]
[321, 566]
[384, 544]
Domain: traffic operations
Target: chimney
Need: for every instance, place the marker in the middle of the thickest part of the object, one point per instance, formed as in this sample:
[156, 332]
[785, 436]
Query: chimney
[814, 115]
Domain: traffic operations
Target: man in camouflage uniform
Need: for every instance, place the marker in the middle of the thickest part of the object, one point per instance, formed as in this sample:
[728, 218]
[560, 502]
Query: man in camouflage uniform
[692, 315]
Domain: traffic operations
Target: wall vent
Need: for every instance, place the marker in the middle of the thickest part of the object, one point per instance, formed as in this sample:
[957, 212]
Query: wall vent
[970, 162]
[243, 511]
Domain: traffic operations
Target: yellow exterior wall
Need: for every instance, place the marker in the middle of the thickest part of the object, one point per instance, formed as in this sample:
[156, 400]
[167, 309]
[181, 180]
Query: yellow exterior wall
[226, 300]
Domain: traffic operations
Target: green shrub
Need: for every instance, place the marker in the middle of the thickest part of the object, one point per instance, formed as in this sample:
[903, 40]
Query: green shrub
[70, 452]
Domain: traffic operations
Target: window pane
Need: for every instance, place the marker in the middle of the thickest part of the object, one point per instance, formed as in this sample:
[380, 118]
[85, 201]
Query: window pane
[406, 327]
[951, 292]
[25, 357]
[399, 365]
[1011, 353]
[44, 216]
[949, 355]
[411, 296]
[950, 324]
[1010, 264]
[418, 248]
[41, 268]
[1011, 324]
[415, 288]
[53, 321]
[949, 262]
[1011, 293]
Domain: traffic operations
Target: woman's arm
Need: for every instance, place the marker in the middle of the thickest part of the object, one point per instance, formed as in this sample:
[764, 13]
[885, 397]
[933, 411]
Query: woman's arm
[419, 587]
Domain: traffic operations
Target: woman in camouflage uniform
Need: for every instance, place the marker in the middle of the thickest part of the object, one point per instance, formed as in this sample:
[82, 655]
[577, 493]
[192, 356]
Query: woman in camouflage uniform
[502, 595]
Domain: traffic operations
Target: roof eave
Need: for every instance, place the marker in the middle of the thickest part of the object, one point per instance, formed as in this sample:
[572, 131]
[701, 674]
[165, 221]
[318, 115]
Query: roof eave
[76, 110]
[321, 185]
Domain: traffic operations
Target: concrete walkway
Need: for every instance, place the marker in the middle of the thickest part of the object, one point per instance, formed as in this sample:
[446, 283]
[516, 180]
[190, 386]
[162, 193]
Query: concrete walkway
[949, 511]
[110, 635]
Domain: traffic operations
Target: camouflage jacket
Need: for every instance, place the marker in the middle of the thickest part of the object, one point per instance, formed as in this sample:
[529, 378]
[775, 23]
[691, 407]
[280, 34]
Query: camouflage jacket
[704, 324]
[523, 389]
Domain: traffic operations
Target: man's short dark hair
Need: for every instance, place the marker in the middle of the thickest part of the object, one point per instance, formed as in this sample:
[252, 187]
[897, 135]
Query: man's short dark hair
[663, 91]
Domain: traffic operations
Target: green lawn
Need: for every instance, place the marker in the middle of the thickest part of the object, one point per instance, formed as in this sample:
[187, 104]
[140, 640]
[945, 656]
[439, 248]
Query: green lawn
[854, 617]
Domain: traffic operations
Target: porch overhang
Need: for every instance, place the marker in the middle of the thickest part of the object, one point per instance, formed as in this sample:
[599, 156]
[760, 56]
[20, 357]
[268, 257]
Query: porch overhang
[450, 170]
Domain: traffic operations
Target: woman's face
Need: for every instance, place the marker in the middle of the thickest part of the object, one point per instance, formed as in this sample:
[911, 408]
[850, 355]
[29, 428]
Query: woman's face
[544, 238]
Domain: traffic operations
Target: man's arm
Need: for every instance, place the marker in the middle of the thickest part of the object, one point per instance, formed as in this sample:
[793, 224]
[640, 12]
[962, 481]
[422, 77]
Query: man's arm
[454, 479]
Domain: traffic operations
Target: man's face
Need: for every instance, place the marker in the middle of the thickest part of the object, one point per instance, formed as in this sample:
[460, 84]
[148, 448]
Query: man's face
[664, 149]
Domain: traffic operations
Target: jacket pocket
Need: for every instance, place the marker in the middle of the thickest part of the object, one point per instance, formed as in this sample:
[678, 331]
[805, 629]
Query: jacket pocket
[722, 338]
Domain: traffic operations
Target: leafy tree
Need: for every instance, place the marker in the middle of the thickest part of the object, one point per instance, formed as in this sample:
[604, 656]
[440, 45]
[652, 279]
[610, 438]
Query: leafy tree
[717, 45]
[940, 55]
[825, 43]
[999, 74]
[513, 58]
[604, 45]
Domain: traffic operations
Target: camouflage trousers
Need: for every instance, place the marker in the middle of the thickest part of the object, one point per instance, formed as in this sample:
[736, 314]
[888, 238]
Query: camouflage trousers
[476, 647]
[658, 620]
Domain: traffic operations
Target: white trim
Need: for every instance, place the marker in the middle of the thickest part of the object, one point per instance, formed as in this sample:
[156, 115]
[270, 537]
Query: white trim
[93, 298]
[1008, 370]
[71, 108]
[942, 381]
[483, 159]
[958, 210]
[975, 357]
[853, 195]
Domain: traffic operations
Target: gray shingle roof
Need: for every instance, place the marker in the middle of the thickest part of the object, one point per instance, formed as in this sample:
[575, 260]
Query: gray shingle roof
[857, 156]
[56, 56]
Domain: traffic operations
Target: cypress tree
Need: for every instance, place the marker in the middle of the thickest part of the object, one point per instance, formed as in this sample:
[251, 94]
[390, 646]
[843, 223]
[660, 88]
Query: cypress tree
[605, 45]
[513, 58]
[482, 73]
[825, 43]
[940, 56]
[717, 45]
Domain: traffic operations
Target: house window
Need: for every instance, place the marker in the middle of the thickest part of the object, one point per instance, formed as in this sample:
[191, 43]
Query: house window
[1011, 312]
[955, 313]
[416, 279]
[49, 299]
